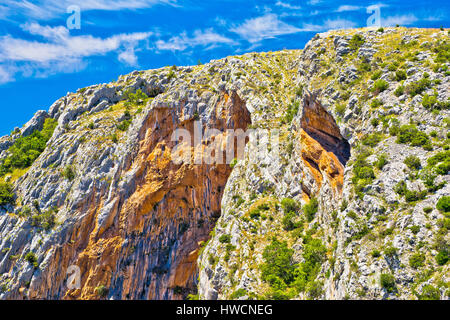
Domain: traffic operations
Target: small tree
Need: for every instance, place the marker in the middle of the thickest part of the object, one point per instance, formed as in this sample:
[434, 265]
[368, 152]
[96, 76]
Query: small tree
[387, 281]
[311, 209]
[6, 194]
[444, 204]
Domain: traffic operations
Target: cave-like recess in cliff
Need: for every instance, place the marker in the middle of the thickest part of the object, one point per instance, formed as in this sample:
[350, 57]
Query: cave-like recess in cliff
[322, 127]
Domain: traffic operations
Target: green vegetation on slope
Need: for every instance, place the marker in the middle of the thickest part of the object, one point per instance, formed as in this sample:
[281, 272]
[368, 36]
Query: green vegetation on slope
[27, 149]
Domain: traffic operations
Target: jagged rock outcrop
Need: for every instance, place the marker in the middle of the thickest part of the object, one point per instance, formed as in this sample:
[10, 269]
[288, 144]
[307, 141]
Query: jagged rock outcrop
[139, 225]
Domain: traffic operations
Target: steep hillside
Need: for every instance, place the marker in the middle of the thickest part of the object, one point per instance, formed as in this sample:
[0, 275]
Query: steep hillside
[340, 192]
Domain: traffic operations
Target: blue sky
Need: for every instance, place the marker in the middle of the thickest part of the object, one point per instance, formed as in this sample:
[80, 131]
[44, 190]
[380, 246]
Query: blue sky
[41, 59]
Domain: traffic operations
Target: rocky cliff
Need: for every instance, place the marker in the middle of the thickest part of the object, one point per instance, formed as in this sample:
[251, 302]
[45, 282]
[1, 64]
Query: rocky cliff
[341, 191]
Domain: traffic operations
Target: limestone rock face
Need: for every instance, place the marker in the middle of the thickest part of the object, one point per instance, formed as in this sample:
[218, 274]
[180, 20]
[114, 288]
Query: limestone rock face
[133, 222]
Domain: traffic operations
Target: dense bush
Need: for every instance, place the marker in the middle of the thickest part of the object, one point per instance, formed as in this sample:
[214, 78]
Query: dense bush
[430, 293]
[409, 134]
[45, 220]
[69, 173]
[26, 150]
[372, 140]
[289, 205]
[387, 281]
[375, 103]
[101, 291]
[381, 161]
[238, 293]
[278, 269]
[314, 255]
[137, 98]
[412, 162]
[311, 209]
[31, 258]
[355, 42]
[399, 91]
[400, 75]
[291, 112]
[225, 238]
[441, 161]
[417, 260]
[376, 75]
[442, 257]
[415, 88]
[380, 85]
[443, 204]
[363, 174]
[6, 194]
[283, 275]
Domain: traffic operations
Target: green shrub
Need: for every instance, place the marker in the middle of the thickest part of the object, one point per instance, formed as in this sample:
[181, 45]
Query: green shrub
[417, 260]
[356, 42]
[376, 75]
[225, 238]
[380, 85]
[372, 140]
[363, 174]
[233, 163]
[429, 101]
[238, 294]
[412, 162]
[409, 134]
[101, 291]
[411, 196]
[390, 251]
[45, 220]
[399, 91]
[387, 282]
[442, 257]
[6, 194]
[381, 161]
[415, 88]
[278, 268]
[311, 209]
[340, 108]
[415, 229]
[443, 204]
[31, 258]
[26, 150]
[400, 75]
[427, 209]
[291, 112]
[314, 255]
[289, 205]
[124, 125]
[375, 253]
[376, 103]
[430, 293]
[114, 138]
[69, 173]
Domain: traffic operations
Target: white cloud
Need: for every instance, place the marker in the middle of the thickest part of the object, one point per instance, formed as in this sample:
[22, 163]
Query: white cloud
[207, 38]
[265, 27]
[5, 75]
[329, 25]
[287, 5]
[402, 20]
[60, 52]
[48, 9]
[128, 56]
[345, 8]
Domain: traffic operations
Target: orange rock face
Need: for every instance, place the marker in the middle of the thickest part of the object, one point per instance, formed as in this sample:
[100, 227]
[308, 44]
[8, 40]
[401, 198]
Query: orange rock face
[323, 149]
[147, 247]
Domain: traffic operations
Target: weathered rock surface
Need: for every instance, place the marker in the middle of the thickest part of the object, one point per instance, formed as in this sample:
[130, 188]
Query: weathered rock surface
[139, 225]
